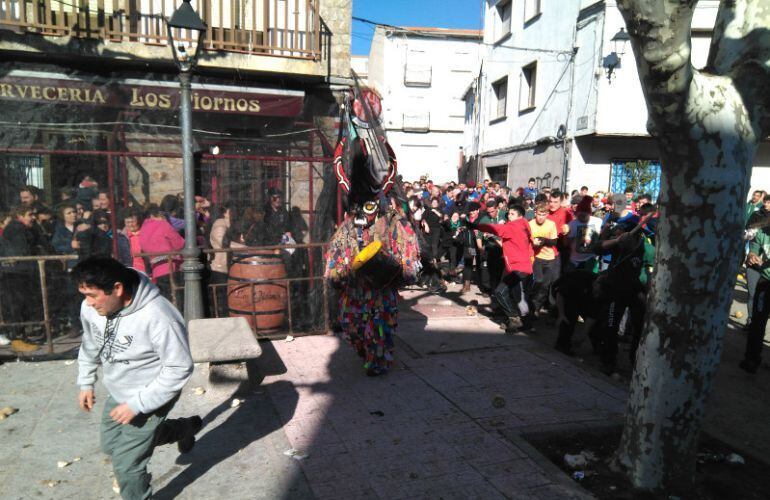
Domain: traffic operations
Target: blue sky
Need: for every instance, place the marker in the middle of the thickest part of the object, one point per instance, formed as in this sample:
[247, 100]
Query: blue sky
[427, 13]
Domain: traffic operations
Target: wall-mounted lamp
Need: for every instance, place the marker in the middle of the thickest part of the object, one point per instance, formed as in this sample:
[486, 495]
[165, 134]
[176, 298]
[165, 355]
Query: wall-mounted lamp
[612, 61]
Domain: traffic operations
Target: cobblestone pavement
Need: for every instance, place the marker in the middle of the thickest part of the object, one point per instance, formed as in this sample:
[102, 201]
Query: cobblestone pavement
[445, 423]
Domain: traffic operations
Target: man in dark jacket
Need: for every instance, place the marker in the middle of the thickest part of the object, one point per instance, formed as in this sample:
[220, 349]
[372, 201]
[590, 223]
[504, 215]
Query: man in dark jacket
[20, 277]
[277, 218]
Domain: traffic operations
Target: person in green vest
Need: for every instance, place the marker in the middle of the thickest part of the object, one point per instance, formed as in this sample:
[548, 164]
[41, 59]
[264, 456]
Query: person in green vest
[754, 204]
[759, 258]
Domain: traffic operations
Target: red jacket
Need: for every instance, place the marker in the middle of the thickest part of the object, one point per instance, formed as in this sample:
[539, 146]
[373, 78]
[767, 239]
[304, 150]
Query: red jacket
[517, 244]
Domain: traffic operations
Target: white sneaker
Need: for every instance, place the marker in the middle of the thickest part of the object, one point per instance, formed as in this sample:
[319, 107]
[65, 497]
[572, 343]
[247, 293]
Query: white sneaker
[4, 340]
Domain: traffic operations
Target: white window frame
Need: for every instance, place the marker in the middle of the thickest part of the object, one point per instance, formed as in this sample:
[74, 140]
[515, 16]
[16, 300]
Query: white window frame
[528, 87]
[505, 25]
[532, 9]
[500, 112]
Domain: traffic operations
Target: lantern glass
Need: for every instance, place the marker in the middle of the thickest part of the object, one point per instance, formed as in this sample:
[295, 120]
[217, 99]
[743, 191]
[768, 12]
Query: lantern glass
[186, 32]
[619, 42]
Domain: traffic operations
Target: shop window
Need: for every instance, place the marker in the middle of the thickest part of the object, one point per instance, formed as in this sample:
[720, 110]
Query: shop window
[642, 176]
[528, 89]
[500, 98]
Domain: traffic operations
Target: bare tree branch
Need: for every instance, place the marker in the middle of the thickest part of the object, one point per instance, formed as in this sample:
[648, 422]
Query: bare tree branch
[660, 37]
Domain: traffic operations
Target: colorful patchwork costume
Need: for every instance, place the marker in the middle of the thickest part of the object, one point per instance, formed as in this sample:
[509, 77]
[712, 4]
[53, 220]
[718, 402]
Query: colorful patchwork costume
[384, 241]
[368, 316]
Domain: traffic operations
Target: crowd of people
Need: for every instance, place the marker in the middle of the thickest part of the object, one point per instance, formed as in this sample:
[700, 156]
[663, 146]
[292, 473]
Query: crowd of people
[541, 252]
[81, 224]
[538, 252]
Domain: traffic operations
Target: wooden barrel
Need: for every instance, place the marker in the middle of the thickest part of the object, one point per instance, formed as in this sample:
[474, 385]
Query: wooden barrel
[252, 295]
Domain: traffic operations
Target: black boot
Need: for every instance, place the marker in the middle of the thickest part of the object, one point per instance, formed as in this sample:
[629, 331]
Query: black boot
[190, 427]
[513, 325]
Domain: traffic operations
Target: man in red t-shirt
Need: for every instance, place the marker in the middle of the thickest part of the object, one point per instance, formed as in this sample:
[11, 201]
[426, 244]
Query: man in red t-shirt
[561, 216]
[511, 292]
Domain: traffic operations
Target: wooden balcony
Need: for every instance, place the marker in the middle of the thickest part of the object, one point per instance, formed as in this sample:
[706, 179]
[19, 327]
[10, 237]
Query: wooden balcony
[280, 28]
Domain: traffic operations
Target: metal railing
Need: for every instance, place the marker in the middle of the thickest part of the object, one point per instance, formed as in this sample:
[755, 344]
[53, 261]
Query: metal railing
[177, 289]
[285, 28]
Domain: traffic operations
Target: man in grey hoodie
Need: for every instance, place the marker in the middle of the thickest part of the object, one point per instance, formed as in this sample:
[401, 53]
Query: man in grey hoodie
[140, 340]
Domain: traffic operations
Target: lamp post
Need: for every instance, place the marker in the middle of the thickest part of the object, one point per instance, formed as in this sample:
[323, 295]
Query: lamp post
[190, 31]
[612, 61]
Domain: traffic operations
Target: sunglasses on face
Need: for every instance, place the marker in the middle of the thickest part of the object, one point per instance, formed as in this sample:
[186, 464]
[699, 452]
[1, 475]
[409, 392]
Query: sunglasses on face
[275, 197]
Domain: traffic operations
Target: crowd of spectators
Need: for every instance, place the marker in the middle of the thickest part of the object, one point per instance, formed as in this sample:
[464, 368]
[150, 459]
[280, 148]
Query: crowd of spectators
[537, 252]
[540, 252]
[148, 238]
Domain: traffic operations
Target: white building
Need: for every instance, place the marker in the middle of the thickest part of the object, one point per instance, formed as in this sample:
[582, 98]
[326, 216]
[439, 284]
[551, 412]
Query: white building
[360, 65]
[536, 111]
[421, 74]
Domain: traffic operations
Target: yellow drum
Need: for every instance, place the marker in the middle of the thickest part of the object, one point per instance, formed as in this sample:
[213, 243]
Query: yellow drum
[374, 268]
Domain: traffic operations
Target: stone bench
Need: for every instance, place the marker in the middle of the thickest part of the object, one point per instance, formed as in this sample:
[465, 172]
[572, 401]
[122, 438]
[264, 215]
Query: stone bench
[219, 340]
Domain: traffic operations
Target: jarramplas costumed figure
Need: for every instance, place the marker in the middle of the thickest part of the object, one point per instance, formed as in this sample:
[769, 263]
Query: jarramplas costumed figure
[374, 251]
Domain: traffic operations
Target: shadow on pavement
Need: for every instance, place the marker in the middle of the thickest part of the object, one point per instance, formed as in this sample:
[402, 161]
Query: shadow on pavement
[249, 422]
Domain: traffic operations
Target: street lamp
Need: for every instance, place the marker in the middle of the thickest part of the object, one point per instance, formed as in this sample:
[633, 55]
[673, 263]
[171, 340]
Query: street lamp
[612, 61]
[190, 31]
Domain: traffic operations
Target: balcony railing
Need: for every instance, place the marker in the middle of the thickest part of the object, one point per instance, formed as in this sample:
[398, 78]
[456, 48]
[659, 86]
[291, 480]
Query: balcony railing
[285, 28]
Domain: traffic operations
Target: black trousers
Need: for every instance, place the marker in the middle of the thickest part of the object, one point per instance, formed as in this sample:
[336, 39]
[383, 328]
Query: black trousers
[610, 315]
[760, 310]
[495, 267]
[21, 299]
[511, 293]
[545, 272]
[574, 297]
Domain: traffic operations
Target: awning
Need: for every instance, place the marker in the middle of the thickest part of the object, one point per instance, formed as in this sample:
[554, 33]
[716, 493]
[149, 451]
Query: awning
[137, 94]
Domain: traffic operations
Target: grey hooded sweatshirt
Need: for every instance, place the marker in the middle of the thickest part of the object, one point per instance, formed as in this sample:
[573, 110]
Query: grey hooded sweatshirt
[144, 353]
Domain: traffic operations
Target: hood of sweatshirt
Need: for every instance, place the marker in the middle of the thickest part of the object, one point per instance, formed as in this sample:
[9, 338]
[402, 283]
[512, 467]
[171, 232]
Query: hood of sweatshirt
[143, 350]
[145, 293]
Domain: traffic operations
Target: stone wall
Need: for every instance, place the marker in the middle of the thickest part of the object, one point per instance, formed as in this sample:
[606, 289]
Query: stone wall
[150, 179]
[337, 14]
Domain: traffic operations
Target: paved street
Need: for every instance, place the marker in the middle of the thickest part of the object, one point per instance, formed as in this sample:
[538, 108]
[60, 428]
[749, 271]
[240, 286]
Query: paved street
[429, 429]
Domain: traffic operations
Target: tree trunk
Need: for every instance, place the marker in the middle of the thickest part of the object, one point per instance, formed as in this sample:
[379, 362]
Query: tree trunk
[703, 186]
[707, 127]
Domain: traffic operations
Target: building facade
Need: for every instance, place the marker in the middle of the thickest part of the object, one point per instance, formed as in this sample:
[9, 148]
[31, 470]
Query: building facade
[420, 74]
[91, 89]
[360, 66]
[558, 100]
